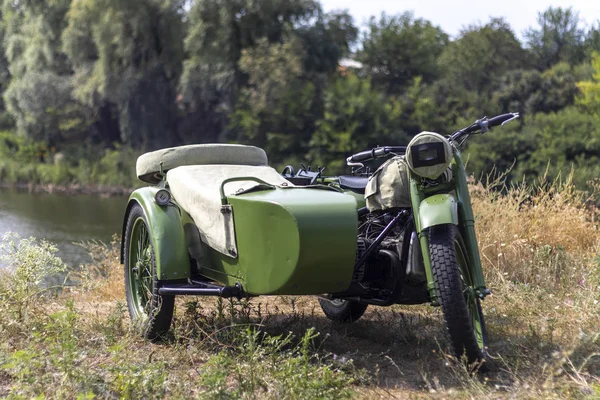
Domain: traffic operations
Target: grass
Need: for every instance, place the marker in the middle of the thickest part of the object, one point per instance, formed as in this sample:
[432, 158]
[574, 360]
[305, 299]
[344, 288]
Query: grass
[540, 254]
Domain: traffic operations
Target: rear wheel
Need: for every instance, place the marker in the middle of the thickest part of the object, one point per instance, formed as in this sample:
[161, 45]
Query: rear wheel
[149, 311]
[456, 294]
[339, 310]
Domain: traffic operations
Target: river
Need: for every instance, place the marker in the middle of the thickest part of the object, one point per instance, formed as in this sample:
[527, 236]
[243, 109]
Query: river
[61, 219]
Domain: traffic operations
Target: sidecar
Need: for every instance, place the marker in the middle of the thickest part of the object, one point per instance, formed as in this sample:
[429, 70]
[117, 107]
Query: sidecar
[219, 221]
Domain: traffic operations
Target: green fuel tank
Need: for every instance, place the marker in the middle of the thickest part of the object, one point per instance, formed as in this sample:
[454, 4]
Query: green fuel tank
[297, 240]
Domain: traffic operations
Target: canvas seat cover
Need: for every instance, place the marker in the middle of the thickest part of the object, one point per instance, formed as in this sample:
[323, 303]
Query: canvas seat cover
[196, 190]
[149, 164]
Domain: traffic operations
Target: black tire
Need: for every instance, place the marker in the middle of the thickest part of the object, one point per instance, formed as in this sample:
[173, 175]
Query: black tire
[150, 312]
[345, 311]
[453, 284]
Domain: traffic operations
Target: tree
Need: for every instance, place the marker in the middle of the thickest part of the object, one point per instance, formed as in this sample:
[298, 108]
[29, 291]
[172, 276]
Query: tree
[397, 49]
[326, 41]
[592, 39]
[219, 32]
[482, 55]
[559, 37]
[127, 57]
[531, 92]
[589, 99]
[357, 117]
[39, 93]
[274, 109]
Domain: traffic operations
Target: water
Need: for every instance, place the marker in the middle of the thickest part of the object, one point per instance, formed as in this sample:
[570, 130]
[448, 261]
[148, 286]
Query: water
[62, 220]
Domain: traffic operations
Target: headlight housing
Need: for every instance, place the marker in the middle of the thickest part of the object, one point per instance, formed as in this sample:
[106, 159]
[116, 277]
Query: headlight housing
[429, 154]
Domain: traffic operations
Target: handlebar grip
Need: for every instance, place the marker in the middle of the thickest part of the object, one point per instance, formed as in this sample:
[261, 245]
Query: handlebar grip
[362, 156]
[500, 119]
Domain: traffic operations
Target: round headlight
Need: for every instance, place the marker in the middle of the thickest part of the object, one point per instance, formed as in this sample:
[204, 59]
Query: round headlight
[429, 155]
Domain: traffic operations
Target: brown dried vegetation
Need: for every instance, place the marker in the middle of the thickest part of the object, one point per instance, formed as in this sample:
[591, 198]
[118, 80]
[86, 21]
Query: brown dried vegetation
[540, 252]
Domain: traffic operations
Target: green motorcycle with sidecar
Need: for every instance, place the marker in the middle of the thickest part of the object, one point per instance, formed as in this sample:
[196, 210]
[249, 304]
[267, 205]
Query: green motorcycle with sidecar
[219, 221]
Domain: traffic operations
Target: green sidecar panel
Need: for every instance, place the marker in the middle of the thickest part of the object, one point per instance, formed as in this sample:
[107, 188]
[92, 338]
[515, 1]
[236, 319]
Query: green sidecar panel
[290, 241]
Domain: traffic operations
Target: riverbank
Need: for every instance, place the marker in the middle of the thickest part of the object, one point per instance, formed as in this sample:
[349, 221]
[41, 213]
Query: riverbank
[71, 189]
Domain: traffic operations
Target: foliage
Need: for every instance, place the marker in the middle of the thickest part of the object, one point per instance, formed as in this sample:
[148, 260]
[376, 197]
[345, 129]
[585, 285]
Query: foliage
[397, 49]
[482, 55]
[552, 143]
[590, 90]
[559, 37]
[356, 117]
[39, 93]
[128, 55]
[90, 84]
[27, 266]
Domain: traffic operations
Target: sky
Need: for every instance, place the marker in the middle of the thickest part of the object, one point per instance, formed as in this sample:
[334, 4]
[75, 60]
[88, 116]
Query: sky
[452, 15]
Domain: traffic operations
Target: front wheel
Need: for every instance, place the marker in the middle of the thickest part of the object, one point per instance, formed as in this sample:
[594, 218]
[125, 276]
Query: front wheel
[456, 294]
[149, 311]
[339, 310]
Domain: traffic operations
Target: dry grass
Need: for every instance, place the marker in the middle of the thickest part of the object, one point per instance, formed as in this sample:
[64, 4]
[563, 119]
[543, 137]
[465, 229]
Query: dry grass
[540, 253]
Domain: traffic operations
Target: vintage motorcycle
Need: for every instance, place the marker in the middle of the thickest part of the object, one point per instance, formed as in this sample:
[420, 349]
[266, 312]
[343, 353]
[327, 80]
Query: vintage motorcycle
[220, 222]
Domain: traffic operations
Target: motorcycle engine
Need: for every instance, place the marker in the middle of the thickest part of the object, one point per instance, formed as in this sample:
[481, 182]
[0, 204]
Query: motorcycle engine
[375, 269]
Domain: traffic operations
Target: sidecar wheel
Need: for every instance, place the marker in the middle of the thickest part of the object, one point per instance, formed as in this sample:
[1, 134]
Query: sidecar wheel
[454, 287]
[339, 310]
[149, 311]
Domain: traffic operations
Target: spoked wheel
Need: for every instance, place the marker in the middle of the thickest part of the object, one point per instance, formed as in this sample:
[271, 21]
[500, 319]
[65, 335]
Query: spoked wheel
[456, 294]
[342, 310]
[149, 311]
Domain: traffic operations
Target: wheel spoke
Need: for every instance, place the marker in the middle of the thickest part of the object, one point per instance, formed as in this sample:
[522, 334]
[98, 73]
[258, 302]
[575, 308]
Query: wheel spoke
[146, 307]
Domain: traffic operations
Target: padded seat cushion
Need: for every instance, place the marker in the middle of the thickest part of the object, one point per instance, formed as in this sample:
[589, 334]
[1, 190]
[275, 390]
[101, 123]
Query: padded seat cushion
[196, 190]
[148, 164]
[355, 183]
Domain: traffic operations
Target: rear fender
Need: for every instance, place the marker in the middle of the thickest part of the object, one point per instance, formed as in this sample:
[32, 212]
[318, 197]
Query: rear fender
[168, 236]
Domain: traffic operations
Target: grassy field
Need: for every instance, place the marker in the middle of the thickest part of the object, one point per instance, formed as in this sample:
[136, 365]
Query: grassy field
[540, 248]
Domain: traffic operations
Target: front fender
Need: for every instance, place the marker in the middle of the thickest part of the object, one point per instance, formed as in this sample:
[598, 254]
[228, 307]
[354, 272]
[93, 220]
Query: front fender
[437, 210]
[168, 236]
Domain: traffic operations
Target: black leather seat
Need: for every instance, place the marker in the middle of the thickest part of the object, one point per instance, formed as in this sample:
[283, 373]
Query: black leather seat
[355, 183]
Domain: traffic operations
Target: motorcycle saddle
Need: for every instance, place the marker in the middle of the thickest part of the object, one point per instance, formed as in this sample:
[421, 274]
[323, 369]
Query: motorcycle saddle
[149, 165]
[355, 183]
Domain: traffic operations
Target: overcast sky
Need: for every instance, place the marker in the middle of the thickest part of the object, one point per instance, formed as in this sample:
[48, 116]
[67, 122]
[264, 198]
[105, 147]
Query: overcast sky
[452, 15]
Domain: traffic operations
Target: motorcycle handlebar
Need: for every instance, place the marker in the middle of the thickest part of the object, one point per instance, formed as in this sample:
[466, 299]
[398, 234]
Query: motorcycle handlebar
[501, 119]
[374, 153]
[482, 125]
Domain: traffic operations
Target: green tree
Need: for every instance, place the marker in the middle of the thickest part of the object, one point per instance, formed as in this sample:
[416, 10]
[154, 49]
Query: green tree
[357, 117]
[326, 41]
[482, 55]
[39, 93]
[397, 49]
[530, 91]
[275, 108]
[558, 37]
[589, 99]
[127, 57]
[219, 31]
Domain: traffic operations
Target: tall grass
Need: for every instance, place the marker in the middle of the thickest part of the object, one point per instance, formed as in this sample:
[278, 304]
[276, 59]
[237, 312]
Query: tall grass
[540, 253]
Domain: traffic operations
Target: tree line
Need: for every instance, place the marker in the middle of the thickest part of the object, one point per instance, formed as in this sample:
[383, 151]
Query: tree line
[82, 75]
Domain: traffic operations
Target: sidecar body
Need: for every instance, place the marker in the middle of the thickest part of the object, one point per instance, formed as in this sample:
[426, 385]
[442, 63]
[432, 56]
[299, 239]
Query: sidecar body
[218, 218]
